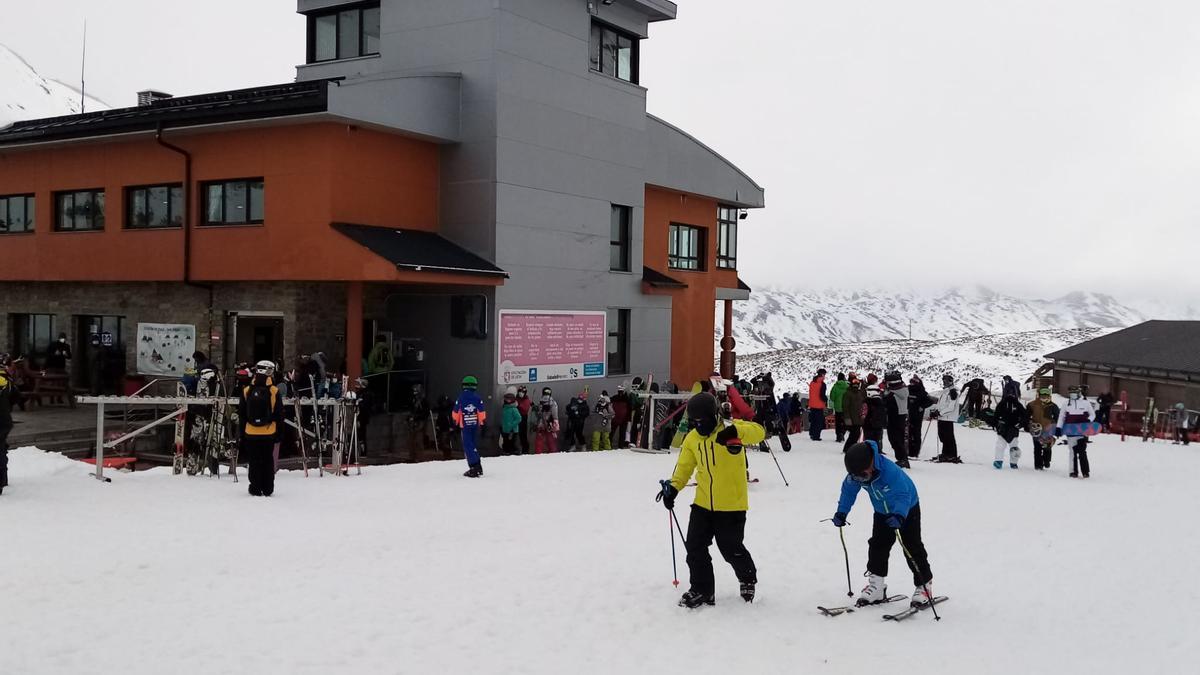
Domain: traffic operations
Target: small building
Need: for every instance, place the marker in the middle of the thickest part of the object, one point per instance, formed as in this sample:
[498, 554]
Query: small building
[1155, 359]
[477, 184]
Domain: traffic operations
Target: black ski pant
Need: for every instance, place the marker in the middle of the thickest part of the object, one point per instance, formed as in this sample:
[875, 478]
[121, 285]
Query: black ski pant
[816, 423]
[946, 436]
[839, 427]
[898, 437]
[1041, 451]
[729, 528]
[914, 435]
[575, 434]
[1079, 459]
[4, 429]
[1183, 436]
[259, 454]
[874, 434]
[523, 434]
[879, 547]
[853, 434]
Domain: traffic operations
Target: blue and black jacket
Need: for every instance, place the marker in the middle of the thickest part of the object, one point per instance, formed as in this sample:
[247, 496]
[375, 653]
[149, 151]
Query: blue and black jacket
[890, 488]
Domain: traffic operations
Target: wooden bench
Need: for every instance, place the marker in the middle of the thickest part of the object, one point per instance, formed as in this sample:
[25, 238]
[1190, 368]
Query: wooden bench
[50, 385]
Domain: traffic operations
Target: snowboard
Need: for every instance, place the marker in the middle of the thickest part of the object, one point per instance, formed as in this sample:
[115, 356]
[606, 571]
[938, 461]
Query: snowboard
[1081, 429]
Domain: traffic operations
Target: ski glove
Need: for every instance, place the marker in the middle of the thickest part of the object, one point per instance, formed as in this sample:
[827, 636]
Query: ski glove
[666, 494]
[839, 519]
[728, 437]
[894, 520]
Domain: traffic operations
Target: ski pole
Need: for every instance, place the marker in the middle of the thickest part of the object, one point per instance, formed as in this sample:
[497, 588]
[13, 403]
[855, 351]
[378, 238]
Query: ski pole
[671, 534]
[772, 453]
[913, 563]
[928, 426]
[846, 553]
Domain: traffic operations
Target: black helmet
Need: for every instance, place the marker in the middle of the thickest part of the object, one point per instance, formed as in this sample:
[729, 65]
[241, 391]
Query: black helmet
[859, 458]
[703, 405]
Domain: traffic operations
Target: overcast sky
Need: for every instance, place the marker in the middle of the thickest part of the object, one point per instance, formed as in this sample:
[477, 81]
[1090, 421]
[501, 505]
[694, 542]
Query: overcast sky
[1035, 146]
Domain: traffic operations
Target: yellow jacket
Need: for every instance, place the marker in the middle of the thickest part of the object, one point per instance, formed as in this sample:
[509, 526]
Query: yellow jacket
[720, 474]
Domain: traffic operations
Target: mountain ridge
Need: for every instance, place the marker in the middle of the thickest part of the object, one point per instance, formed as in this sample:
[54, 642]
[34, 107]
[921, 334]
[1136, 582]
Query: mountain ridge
[25, 94]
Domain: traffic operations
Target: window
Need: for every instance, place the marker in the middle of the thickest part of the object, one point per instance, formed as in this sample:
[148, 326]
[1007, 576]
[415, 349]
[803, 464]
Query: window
[32, 335]
[16, 214]
[154, 206]
[685, 247]
[235, 202]
[618, 245]
[727, 222]
[618, 341]
[614, 52]
[79, 211]
[343, 34]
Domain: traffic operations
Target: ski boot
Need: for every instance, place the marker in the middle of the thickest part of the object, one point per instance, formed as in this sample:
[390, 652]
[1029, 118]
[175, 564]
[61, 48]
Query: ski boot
[1012, 465]
[922, 595]
[693, 599]
[748, 591]
[903, 464]
[874, 592]
[998, 464]
[475, 471]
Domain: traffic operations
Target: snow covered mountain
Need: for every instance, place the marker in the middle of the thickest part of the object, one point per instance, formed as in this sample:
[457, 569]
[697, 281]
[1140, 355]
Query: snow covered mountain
[989, 357]
[26, 95]
[779, 319]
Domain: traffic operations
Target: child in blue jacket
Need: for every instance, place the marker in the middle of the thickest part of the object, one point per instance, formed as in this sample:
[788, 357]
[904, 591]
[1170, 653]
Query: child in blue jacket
[897, 509]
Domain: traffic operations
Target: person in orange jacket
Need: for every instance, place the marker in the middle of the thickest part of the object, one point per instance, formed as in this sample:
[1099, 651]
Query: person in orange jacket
[818, 399]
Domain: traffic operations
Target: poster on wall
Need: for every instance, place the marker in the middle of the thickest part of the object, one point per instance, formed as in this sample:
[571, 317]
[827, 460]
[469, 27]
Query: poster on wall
[165, 349]
[537, 346]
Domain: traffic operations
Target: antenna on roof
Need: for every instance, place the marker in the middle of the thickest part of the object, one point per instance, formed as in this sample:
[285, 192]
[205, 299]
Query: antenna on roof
[83, 72]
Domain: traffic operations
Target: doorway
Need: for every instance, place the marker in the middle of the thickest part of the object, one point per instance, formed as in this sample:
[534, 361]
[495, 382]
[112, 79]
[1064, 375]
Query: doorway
[99, 357]
[254, 337]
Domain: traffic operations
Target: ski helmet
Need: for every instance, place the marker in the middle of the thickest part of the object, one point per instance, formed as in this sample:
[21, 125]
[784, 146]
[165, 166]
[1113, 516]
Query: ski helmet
[469, 382]
[265, 367]
[511, 391]
[1044, 391]
[546, 391]
[859, 458]
[1180, 406]
[872, 391]
[893, 376]
[947, 379]
[702, 411]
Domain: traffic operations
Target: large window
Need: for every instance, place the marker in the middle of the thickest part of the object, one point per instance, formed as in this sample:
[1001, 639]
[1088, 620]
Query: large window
[233, 202]
[618, 245]
[154, 206]
[16, 213]
[79, 211]
[727, 223]
[344, 33]
[32, 335]
[618, 341]
[685, 247]
[614, 52]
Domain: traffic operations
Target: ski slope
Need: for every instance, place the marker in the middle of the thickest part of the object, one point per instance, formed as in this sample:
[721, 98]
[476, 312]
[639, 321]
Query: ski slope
[560, 564]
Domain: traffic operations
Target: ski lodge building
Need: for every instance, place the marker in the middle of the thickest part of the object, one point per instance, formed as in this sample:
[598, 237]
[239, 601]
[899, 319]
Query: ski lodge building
[437, 172]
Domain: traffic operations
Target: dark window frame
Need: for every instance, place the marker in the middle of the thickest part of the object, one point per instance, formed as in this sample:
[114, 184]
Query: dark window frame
[225, 222]
[30, 204]
[621, 333]
[94, 192]
[337, 31]
[727, 232]
[596, 58]
[623, 242]
[681, 260]
[19, 334]
[130, 189]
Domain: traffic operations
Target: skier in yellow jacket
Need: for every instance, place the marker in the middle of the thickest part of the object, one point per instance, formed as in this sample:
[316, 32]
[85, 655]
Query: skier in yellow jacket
[713, 451]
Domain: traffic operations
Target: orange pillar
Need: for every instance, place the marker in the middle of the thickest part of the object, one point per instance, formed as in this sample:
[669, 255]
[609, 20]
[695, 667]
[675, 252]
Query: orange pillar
[354, 324]
[728, 357]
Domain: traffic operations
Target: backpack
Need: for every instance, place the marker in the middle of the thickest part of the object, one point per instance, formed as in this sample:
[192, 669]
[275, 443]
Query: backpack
[258, 405]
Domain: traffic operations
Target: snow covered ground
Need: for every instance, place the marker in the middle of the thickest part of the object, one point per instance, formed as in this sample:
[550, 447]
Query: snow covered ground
[560, 564]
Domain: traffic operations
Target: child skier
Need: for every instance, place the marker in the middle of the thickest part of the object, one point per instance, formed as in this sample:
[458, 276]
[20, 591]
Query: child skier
[713, 450]
[876, 419]
[1078, 410]
[469, 415]
[510, 422]
[1010, 418]
[602, 436]
[1043, 418]
[946, 413]
[897, 517]
[547, 424]
[577, 414]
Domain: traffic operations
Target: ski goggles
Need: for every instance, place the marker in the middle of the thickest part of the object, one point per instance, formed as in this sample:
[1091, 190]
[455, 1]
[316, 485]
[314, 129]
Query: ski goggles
[860, 477]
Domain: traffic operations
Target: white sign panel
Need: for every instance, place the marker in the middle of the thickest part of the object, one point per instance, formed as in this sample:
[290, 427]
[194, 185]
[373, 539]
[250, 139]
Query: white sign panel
[165, 349]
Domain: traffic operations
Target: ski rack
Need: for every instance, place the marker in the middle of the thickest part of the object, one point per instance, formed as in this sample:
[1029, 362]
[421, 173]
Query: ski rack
[181, 404]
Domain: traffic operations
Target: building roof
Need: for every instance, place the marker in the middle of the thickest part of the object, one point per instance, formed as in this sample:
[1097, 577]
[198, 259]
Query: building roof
[279, 100]
[1154, 345]
[418, 250]
[659, 280]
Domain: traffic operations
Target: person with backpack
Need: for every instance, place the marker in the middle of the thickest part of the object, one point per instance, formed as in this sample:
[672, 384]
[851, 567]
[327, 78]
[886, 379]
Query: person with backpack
[818, 399]
[470, 416]
[853, 401]
[897, 517]
[261, 413]
[547, 424]
[946, 412]
[577, 414]
[896, 400]
[1078, 410]
[1010, 419]
[602, 436]
[1042, 414]
[875, 421]
[836, 393]
[714, 450]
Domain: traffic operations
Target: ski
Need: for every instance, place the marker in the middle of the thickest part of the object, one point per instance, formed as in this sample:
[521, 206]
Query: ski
[838, 611]
[913, 610]
[180, 424]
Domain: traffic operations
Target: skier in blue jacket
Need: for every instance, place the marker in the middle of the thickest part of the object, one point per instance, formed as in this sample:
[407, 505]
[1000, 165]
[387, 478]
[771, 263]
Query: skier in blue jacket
[469, 415]
[897, 510]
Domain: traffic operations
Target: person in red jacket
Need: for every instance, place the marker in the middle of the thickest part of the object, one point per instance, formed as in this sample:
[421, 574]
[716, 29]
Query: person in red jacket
[524, 405]
[818, 399]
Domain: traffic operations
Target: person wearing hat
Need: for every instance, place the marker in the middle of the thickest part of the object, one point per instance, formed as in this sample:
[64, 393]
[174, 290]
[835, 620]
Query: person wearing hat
[1043, 416]
[547, 423]
[853, 400]
[818, 399]
[524, 406]
[602, 436]
[621, 417]
[1078, 410]
[510, 422]
[836, 395]
[577, 414]
[945, 411]
[875, 421]
[897, 517]
[260, 411]
[469, 415]
[1182, 425]
[714, 451]
[1010, 418]
[895, 398]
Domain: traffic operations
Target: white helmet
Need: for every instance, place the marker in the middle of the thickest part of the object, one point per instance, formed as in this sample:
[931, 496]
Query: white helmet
[265, 367]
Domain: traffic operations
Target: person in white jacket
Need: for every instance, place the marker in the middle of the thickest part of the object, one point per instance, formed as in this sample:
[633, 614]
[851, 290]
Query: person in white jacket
[946, 413]
[1078, 410]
